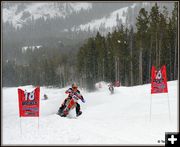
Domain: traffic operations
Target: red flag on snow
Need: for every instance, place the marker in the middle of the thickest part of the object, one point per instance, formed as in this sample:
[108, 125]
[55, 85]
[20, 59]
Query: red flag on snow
[159, 80]
[29, 103]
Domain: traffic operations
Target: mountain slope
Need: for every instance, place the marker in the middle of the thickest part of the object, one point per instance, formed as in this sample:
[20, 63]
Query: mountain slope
[126, 16]
[20, 13]
[107, 21]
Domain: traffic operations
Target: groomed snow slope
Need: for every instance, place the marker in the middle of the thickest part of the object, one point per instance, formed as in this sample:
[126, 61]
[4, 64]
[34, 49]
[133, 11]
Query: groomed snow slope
[121, 118]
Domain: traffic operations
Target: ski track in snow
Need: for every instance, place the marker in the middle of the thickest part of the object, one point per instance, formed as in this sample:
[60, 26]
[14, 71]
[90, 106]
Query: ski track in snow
[119, 118]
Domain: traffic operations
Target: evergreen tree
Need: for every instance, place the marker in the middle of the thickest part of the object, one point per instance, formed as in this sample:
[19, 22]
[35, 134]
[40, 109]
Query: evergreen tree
[175, 33]
[142, 27]
[154, 27]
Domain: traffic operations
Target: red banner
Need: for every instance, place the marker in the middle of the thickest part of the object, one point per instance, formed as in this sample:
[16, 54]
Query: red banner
[29, 103]
[117, 84]
[159, 80]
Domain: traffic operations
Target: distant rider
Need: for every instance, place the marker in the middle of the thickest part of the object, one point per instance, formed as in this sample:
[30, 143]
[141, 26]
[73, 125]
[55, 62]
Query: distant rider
[45, 97]
[111, 87]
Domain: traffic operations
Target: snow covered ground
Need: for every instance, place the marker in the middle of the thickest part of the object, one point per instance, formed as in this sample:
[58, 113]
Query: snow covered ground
[119, 119]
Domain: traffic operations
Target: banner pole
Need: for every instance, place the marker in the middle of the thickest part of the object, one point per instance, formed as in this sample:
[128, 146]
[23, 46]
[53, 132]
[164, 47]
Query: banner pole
[37, 130]
[38, 123]
[20, 126]
[169, 108]
[150, 106]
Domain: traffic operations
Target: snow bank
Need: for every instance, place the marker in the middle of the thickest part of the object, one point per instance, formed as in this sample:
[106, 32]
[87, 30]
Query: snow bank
[114, 119]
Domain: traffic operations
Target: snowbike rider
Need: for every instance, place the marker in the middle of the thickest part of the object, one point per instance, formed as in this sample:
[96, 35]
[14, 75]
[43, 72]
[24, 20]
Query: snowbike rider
[111, 88]
[74, 96]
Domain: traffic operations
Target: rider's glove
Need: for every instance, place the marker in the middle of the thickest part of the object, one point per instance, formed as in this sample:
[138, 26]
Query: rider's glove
[75, 97]
[83, 100]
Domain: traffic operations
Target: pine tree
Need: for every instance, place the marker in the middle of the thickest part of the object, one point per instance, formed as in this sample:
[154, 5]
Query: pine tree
[142, 27]
[154, 26]
[175, 31]
[110, 55]
[131, 44]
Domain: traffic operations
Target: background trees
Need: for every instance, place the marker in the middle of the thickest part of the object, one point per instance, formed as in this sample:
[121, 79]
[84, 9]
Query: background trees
[126, 54]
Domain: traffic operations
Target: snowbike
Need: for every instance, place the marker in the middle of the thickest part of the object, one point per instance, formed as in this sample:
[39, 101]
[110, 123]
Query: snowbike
[66, 107]
[111, 89]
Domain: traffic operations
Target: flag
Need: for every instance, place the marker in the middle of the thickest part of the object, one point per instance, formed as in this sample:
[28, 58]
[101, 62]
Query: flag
[29, 103]
[117, 84]
[158, 80]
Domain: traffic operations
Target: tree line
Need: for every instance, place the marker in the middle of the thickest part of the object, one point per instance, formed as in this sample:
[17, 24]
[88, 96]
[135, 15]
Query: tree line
[127, 54]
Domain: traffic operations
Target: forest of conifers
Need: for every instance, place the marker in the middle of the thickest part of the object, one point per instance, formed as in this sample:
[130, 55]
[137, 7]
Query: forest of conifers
[126, 54]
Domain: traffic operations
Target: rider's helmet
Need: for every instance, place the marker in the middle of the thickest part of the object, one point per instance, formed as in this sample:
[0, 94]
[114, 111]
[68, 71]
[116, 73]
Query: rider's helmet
[74, 86]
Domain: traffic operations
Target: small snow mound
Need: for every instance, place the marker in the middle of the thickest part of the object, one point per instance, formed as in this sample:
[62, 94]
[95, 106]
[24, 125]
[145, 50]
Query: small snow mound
[101, 84]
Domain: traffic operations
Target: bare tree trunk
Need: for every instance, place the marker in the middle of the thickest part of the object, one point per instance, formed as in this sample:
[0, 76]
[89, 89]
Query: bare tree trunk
[150, 60]
[118, 72]
[170, 67]
[99, 71]
[131, 70]
[160, 45]
[175, 58]
[116, 68]
[140, 64]
[131, 65]
[157, 51]
[103, 71]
